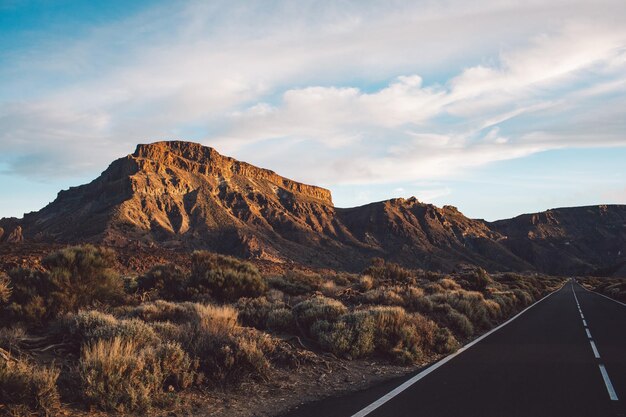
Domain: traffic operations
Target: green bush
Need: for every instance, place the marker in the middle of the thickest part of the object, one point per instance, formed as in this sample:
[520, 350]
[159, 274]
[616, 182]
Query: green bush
[168, 282]
[224, 277]
[26, 389]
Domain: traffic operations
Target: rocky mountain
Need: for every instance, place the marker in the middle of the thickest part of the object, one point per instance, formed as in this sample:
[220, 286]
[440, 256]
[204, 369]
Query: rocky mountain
[183, 195]
[570, 240]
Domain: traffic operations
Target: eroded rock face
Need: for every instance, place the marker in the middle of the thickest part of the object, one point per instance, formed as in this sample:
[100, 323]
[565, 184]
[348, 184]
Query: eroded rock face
[15, 236]
[184, 195]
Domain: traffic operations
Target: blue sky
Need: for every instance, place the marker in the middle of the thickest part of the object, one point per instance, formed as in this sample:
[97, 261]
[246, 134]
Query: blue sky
[496, 107]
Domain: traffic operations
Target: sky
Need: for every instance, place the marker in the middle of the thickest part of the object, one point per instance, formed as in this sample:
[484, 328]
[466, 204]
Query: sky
[496, 107]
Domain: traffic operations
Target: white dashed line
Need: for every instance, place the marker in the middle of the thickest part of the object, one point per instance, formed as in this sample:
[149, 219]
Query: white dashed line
[596, 354]
[607, 382]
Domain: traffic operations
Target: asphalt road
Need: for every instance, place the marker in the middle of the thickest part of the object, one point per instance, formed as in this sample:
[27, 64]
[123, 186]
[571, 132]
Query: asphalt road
[540, 364]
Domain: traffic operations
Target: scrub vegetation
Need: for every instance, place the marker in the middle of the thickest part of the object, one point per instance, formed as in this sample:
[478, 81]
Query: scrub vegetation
[76, 331]
[611, 287]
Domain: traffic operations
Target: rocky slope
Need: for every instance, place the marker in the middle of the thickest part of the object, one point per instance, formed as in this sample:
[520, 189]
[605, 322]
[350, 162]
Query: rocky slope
[570, 240]
[184, 195]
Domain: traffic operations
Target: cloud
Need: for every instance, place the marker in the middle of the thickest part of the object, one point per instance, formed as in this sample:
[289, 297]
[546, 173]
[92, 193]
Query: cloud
[348, 93]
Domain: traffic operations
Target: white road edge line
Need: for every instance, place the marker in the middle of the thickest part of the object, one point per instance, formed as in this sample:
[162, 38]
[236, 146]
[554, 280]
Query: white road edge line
[607, 382]
[595, 349]
[382, 400]
[602, 295]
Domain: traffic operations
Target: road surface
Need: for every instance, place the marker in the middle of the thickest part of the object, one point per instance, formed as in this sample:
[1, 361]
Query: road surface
[564, 356]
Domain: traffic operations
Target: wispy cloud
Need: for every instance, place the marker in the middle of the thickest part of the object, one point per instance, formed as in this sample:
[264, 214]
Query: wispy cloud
[332, 93]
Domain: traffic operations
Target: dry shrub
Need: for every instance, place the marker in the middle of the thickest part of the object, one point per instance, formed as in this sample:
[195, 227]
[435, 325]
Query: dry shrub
[27, 389]
[388, 331]
[168, 282]
[10, 337]
[388, 296]
[366, 282]
[352, 335]
[184, 312]
[75, 278]
[223, 277]
[387, 271]
[416, 300]
[264, 314]
[118, 375]
[457, 322]
[449, 284]
[317, 308]
[329, 289]
[227, 354]
[80, 276]
[295, 282]
[469, 303]
[5, 288]
[89, 326]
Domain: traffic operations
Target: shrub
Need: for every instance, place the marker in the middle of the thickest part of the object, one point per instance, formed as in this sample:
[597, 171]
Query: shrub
[352, 335]
[479, 279]
[90, 326]
[10, 337]
[383, 295]
[80, 276]
[117, 375]
[416, 300]
[168, 282]
[228, 357]
[76, 278]
[455, 321]
[366, 283]
[5, 288]
[26, 303]
[263, 314]
[185, 312]
[448, 284]
[315, 309]
[444, 341]
[387, 271]
[26, 388]
[389, 331]
[403, 336]
[224, 277]
[295, 282]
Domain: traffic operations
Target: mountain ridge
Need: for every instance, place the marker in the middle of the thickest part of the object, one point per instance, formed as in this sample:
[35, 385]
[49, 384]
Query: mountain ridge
[183, 195]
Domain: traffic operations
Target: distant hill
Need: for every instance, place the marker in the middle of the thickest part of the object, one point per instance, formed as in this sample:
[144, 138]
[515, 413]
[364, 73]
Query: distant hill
[183, 195]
